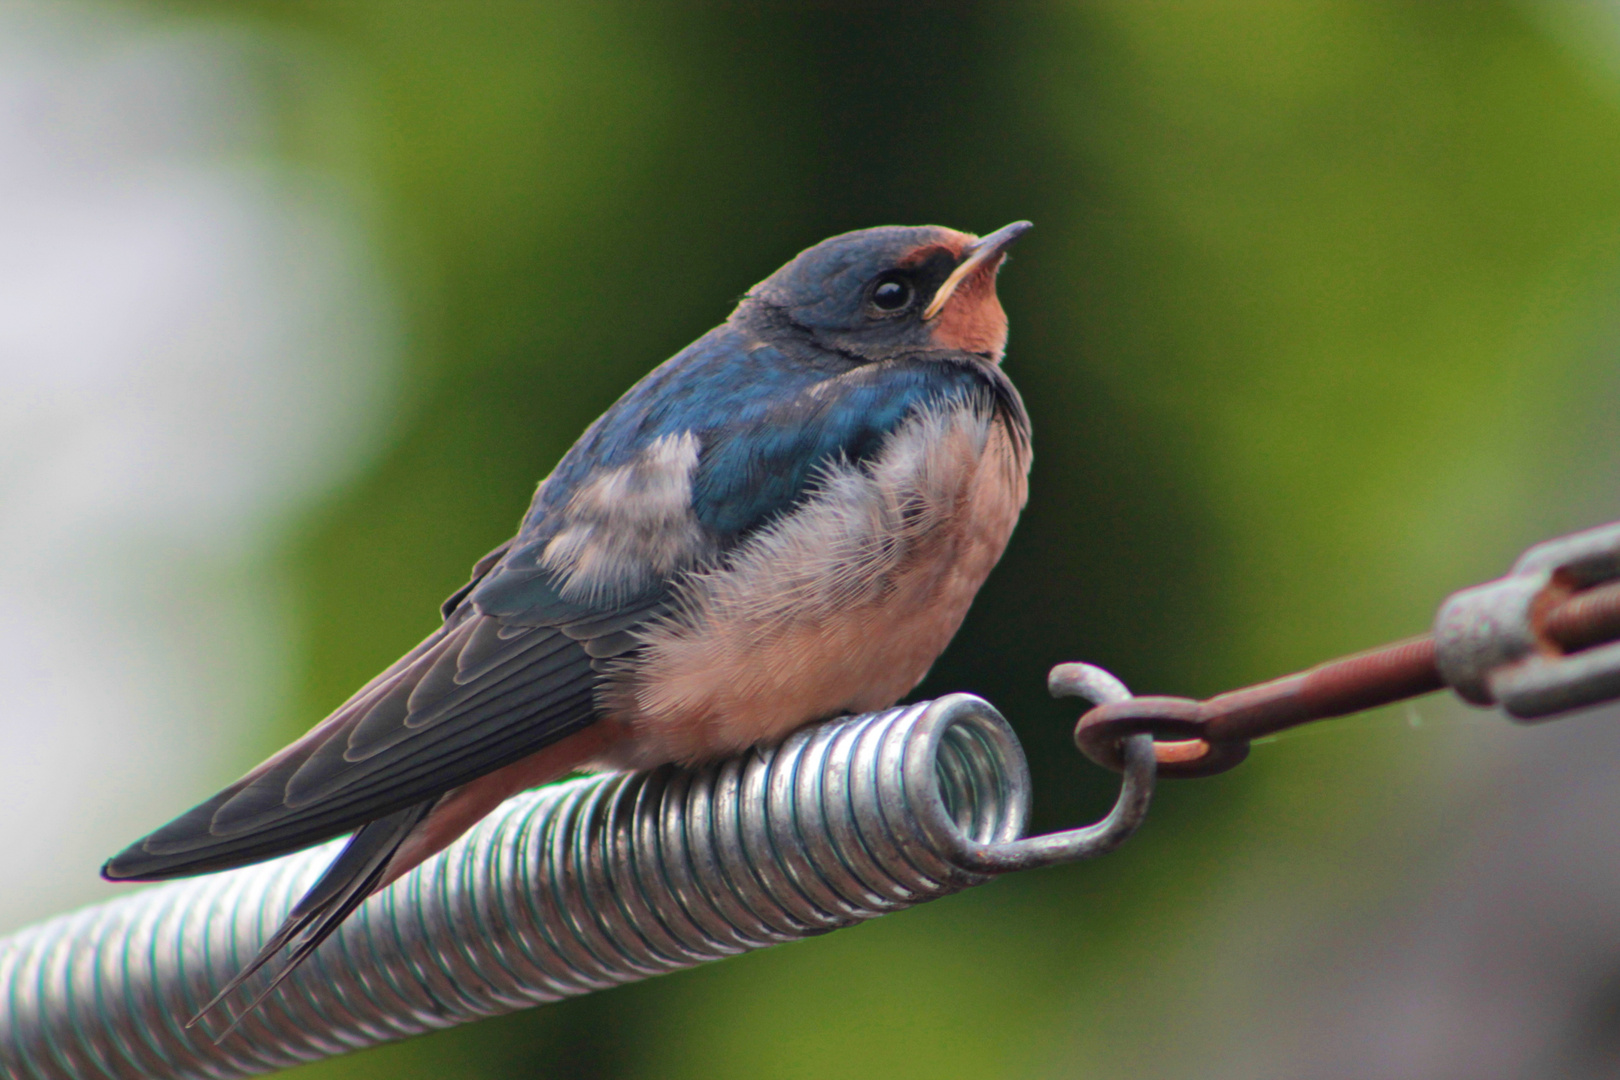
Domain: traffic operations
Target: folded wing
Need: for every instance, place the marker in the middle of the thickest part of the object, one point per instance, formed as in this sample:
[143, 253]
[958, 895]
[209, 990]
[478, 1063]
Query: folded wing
[477, 694]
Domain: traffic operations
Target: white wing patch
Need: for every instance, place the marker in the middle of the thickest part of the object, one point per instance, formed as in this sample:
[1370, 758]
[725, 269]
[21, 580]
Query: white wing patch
[630, 526]
[843, 605]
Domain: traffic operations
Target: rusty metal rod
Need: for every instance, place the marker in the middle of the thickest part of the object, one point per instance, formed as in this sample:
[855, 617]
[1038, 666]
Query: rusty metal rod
[1200, 738]
[1585, 619]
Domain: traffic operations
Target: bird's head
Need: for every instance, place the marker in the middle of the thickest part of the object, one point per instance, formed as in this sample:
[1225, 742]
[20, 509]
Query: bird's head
[876, 292]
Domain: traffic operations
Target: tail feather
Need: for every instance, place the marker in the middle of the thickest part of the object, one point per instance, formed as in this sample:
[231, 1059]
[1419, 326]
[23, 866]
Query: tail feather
[352, 877]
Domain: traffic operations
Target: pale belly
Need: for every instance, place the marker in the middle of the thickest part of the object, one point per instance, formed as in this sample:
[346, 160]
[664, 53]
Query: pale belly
[841, 607]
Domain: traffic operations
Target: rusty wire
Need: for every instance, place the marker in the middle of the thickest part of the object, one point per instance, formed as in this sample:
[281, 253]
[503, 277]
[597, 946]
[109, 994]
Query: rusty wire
[1540, 641]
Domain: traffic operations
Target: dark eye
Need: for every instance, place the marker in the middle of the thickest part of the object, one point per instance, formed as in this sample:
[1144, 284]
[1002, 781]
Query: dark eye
[892, 293]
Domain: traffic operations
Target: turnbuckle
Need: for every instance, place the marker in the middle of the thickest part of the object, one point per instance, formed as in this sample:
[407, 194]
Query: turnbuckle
[1539, 642]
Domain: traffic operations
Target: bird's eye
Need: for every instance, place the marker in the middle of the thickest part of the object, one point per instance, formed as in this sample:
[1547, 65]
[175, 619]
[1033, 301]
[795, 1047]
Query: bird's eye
[892, 293]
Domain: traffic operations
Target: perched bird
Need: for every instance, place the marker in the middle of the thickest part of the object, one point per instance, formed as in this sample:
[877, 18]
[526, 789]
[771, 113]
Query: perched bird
[783, 523]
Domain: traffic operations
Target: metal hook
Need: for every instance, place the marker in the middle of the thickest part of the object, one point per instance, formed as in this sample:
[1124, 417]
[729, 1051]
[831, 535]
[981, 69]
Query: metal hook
[1099, 687]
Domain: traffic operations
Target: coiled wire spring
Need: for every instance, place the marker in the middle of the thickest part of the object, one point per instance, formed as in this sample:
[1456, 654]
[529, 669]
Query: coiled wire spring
[568, 889]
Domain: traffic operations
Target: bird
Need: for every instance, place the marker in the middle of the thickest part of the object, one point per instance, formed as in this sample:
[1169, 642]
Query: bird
[783, 523]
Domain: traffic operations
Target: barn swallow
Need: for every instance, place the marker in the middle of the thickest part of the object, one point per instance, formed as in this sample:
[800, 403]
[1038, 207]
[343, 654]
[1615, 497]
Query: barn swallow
[783, 523]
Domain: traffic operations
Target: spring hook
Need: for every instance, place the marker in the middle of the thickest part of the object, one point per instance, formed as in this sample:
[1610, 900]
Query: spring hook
[572, 888]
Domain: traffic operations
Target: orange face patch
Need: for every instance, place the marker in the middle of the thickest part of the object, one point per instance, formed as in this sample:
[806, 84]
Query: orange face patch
[972, 319]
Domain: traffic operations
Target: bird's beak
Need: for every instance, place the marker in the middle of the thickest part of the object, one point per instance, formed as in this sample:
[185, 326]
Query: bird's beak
[975, 255]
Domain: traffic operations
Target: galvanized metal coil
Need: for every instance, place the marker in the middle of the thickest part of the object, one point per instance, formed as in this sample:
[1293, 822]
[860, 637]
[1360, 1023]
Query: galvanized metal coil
[568, 889]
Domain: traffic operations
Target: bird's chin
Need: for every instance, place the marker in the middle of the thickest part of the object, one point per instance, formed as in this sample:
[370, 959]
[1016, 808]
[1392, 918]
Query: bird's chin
[973, 321]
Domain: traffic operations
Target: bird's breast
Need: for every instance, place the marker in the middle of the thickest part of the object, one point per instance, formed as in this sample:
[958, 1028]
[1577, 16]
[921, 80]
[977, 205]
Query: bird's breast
[840, 606]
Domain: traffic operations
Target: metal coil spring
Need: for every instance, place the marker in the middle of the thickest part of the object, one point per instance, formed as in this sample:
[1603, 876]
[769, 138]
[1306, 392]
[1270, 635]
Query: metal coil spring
[565, 890]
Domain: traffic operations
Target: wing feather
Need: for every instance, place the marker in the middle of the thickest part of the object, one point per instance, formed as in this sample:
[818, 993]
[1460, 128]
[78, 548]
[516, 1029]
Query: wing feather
[470, 699]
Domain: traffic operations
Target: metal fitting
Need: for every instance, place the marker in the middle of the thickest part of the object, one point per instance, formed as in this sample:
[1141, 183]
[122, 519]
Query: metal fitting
[1494, 642]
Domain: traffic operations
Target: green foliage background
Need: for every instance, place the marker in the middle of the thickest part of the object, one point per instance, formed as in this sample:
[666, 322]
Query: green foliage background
[1315, 326]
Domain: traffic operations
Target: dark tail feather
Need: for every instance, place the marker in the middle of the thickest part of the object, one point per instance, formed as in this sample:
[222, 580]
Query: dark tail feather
[345, 885]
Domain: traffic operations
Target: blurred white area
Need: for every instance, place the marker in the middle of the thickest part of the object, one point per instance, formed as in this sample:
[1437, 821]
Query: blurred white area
[193, 346]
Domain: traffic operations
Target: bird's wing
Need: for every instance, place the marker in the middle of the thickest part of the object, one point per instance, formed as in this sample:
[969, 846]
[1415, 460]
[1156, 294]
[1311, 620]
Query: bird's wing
[477, 694]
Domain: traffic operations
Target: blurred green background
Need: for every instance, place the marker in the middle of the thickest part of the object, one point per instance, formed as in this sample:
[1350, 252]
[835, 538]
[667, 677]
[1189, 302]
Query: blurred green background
[1317, 324]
